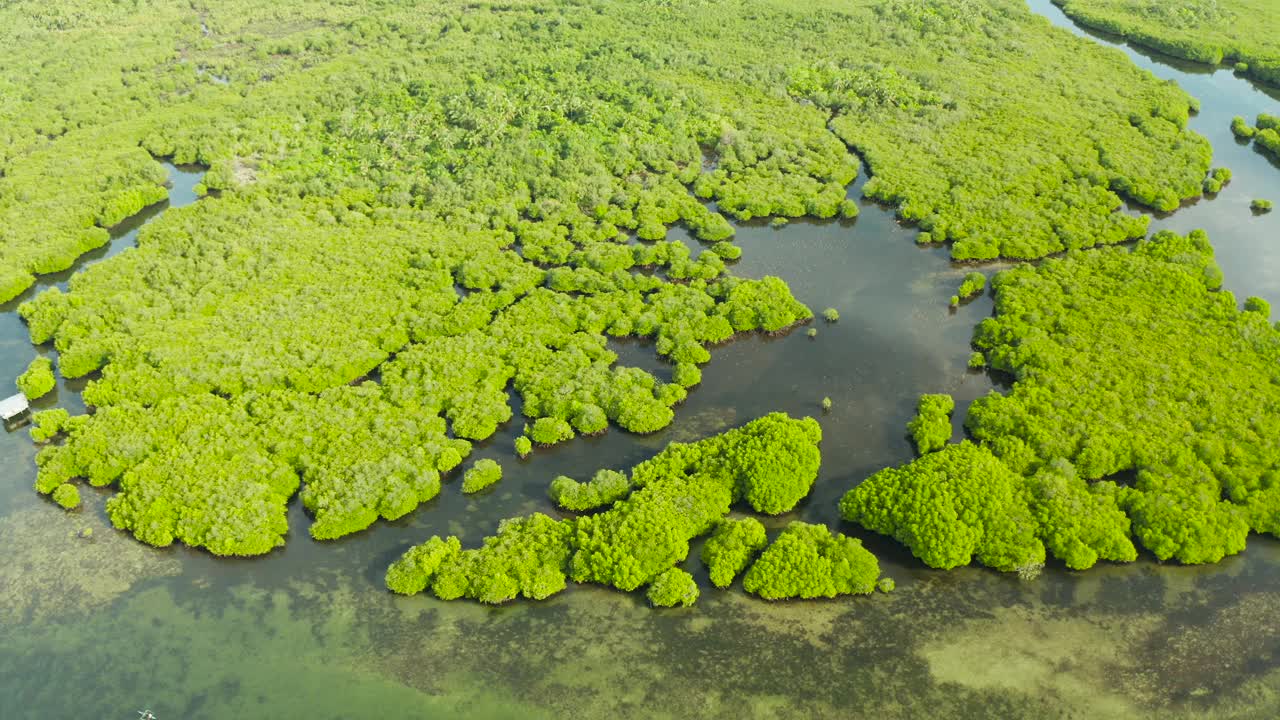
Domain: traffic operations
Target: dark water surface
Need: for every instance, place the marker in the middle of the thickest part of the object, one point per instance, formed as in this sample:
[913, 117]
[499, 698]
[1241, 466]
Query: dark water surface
[103, 627]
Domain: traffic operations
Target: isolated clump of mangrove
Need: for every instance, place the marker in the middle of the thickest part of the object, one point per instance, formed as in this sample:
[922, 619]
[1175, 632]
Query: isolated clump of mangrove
[1265, 133]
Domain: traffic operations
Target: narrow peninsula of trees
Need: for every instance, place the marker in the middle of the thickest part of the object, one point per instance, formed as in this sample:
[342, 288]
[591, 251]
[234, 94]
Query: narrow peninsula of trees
[931, 427]
[1245, 33]
[682, 493]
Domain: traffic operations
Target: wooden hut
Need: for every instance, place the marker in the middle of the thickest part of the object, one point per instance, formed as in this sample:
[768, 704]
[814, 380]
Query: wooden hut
[14, 410]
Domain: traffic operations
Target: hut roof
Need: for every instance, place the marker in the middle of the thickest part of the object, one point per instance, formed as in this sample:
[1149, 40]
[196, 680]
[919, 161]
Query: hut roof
[12, 407]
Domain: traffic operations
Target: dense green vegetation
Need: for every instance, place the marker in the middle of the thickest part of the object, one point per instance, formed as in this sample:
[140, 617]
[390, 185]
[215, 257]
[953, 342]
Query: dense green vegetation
[47, 424]
[931, 427]
[681, 493]
[769, 464]
[1265, 136]
[673, 587]
[378, 108]
[1242, 129]
[973, 283]
[38, 379]
[605, 488]
[962, 503]
[68, 496]
[413, 212]
[949, 506]
[481, 475]
[1245, 33]
[731, 548]
[1179, 386]
[1216, 180]
[810, 561]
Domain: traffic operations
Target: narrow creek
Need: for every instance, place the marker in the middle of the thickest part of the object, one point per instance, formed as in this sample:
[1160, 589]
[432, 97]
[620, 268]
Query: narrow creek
[16, 350]
[105, 627]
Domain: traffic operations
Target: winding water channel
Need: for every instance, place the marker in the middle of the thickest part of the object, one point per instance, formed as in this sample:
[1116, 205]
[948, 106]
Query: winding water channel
[102, 627]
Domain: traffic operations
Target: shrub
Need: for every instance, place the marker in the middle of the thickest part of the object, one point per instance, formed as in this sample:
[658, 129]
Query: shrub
[731, 547]
[770, 463]
[527, 557]
[67, 495]
[523, 446]
[38, 379]
[412, 572]
[973, 284]
[1241, 128]
[589, 420]
[831, 315]
[727, 250]
[809, 561]
[1079, 523]
[686, 375]
[931, 427]
[481, 475]
[48, 423]
[671, 588]
[1261, 206]
[550, 430]
[605, 488]
[1149, 398]
[948, 507]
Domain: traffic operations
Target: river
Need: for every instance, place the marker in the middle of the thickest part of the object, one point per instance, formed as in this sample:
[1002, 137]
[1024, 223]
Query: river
[103, 627]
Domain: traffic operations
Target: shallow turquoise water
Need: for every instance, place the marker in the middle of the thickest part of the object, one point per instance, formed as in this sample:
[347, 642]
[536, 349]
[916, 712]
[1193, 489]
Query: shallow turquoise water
[104, 627]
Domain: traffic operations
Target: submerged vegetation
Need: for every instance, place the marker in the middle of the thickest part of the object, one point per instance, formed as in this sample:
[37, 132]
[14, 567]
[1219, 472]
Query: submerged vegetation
[681, 493]
[1245, 33]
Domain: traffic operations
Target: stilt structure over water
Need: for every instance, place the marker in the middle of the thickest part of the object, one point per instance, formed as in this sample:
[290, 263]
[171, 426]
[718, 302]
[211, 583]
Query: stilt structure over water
[14, 411]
